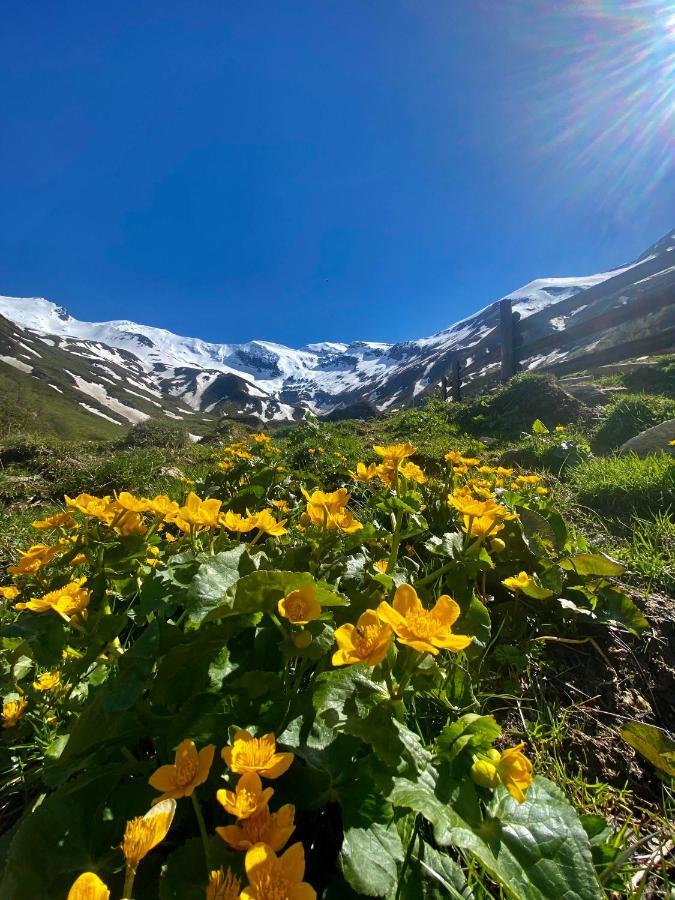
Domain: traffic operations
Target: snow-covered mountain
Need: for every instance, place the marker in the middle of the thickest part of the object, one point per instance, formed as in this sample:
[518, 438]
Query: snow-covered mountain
[110, 366]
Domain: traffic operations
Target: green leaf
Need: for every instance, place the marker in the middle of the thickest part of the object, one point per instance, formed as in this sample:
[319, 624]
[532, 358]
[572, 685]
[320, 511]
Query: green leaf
[592, 564]
[536, 590]
[214, 576]
[535, 850]
[432, 875]
[262, 590]
[369, 858]
[538, 427]
[474, 620]
[652, 743]
[615, 607]
[469, 732]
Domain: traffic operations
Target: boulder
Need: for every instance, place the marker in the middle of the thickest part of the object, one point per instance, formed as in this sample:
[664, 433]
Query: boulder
[653, 440]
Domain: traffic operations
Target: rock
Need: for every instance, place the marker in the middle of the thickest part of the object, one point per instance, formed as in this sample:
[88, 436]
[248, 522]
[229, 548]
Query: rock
[589, 394]
[653, 440]
[171, 472]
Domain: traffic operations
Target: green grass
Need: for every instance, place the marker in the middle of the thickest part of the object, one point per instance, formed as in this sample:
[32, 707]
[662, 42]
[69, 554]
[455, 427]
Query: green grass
[629, 416]
[623, 486]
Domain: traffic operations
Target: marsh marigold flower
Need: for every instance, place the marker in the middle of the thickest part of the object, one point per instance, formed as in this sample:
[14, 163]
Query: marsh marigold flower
[33, 559]
[12, 711]
[162, 506]
[265, 827]
[517, 582]
[88, 887]
[276, 878]
[300, 606]
[425, 630]
[68, 601]
[10, 592]
[198, 513]
[510, 767]
[395, 452]
[365, 473]
[328, 510]
[190, 769]
[222, 886]
[235, 522]
[130, 502]
[145, 832]
[58, 520]
[265, 522]
[247, 799]
[99, 508]
[366, 642]
[47, 681]
[259, 755]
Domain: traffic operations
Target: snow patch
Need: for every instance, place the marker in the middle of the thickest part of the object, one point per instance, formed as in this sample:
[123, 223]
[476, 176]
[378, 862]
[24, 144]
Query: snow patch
[21, 366]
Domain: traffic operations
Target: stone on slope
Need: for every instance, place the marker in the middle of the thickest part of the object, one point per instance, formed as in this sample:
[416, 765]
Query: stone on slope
[653, 440]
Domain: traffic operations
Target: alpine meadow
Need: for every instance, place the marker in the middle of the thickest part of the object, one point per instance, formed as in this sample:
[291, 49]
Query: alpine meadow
[333, 564]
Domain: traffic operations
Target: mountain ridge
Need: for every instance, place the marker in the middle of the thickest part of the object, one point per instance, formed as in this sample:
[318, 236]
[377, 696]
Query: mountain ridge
[187, 377]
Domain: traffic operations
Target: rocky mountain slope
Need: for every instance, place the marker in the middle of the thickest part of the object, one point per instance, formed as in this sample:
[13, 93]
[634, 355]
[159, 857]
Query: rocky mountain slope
[121, 372]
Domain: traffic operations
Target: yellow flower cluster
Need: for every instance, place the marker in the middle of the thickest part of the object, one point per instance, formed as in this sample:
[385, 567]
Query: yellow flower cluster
[329, 511]
[394, 467]
[509, 767]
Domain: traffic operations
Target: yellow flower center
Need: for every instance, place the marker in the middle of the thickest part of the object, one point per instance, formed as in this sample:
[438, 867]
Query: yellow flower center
[186, 771]
[297, 608]
[251, 753]
[423, 623]
[365, 638]
[246, 801]
[271, 883]
[257, 827]
[135, 842]
[222, 886]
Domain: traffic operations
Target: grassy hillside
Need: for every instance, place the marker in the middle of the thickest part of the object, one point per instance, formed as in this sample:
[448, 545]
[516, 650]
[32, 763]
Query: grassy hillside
[404, 768]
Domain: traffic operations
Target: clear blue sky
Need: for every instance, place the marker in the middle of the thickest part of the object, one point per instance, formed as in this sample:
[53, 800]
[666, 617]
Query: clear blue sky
[327, 169]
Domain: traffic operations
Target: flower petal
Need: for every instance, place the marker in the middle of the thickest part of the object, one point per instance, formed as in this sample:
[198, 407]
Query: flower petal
[293, 862]
[447, 610]
[388, 614]
[277, 765]
[259, 855]
[406, 600]
[164, 779]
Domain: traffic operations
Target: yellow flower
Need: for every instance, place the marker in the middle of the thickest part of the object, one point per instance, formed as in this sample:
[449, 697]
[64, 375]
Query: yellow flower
[517, 582]
[485, 470]
[481, 526]
[249, 754]
[12, 711]
[261, 438]
[58, 520]
[381, 565]
[366, 642]
[247, 799]
[235, 522]
[412, 472]
[300, 606]
[33, 559]
[134, 504]
[129, 522]
[98, 507]
[273, 829]
[365, 473]
[88, 887]
[78, 559]
[265, 522]
[395, 452]
[328, 510]
[528, 479]
[68, 601]
[541, 490]
[559, 428]
[501, 470]
[190, 769]
[198, 513]
[145, 832]
[225, 465]
[162, 505]
[510, 767]
[10, 592]
[281, 505]
[497, 545]
[425, 630]
[276, 878]
[671, 443]
[222, 885]
[47, 681]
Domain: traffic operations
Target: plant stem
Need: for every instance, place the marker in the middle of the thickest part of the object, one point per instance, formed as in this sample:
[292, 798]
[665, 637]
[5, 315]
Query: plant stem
[395, 542]
[435, 574]
[129, 882]
[202, 830]
[408, 854]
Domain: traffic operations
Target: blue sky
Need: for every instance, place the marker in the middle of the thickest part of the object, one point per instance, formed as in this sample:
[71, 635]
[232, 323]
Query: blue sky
[319, 170]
